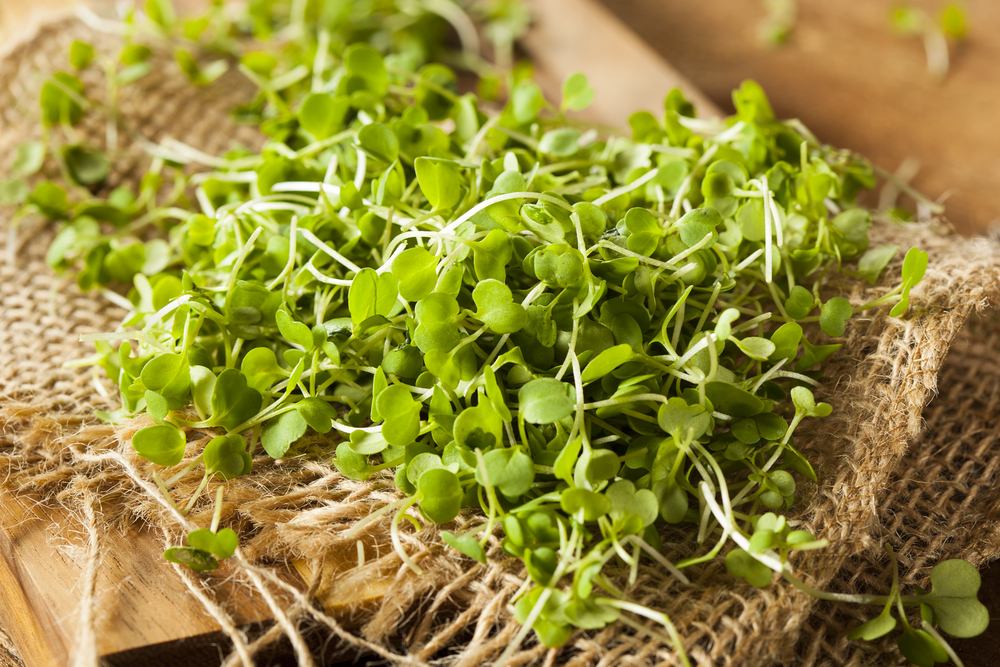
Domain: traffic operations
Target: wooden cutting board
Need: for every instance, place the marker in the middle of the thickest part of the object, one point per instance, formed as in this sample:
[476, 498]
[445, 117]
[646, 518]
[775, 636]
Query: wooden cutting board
[148, 617]
[855, 83]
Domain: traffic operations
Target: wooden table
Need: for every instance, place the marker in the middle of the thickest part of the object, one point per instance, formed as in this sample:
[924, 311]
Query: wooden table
[854, 83]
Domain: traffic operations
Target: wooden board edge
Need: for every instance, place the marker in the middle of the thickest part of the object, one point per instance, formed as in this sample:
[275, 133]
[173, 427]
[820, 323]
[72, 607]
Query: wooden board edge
[24, 616]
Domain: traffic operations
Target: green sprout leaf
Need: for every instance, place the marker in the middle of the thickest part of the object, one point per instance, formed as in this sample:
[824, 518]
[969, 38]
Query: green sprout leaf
[401, 414]
[196, 559]
[85, 167]
[226, 456]
[60, 99]
[804, 402]
[920, 648]
[372, 294]
[295, 332]
[323, 115]
[872, 263]
[681, 420]
[799, 302]
[577, 94]
[496, 309]
[80, 54]
[441, 494]
[233, 401]
[379, 142]
[877, 627]
[834, 315]
[914, 268]
[509, 470]
[28, 158]
[280, 433]
[561, 142]
[440, 181]
[743, 565]
[955, 584]
[162, 444]
[545, 401]
[588, 504]
[467, 545]
[222, 544]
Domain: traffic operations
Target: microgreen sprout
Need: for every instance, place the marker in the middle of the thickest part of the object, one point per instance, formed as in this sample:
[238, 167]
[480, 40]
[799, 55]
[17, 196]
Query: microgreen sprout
[950, 24]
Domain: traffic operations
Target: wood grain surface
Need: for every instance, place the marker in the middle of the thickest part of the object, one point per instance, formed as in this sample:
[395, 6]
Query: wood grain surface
[141, 602]
[854, 83]
[626, 74]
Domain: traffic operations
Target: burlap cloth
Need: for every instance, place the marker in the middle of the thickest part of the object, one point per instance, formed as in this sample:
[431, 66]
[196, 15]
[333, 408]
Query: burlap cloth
[910, 456]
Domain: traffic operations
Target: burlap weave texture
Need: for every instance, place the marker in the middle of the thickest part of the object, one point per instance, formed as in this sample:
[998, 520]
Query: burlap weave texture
[895, 465]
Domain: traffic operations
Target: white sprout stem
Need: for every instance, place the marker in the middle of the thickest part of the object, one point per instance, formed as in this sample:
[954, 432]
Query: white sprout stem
[319, 62]
[117, 299]
[224, 176]
[775, 213]
[751, 323]
[189, 153]
[768, 375]
[637, 183]
[797, 376]
[326, 279]
[453, 14]
[696, 348]
[730, 134]
[768, 558]
[371, 517]
[359, 177]
[676, 208]
[652, 615]
[291, 255]
[259, 206]
[217, 515]
[387, 263]
[397, 543]
[344, 428]
[654, 554]
[111, 335]
[204, 201]
[323, 247]
[501, 198]
[767, 233]
[749, 260]
[244, 251]
[306, 186]
[163, 312]
[929, 629]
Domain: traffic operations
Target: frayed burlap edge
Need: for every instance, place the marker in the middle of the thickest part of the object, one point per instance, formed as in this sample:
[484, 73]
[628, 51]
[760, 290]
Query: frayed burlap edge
[303, 510]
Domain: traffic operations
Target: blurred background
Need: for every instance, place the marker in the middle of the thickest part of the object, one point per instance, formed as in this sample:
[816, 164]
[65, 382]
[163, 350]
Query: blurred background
[857, 74]
[914, 85]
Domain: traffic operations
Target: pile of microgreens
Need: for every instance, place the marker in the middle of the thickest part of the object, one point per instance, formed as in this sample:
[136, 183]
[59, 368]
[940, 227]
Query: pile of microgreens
[583, 337]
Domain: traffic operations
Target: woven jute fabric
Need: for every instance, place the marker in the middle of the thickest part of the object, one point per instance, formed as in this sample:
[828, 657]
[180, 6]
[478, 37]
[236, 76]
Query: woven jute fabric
[909, 456]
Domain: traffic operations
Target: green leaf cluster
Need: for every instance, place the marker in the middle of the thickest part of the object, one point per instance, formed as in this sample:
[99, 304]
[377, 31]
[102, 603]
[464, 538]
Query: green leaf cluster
[582, 337]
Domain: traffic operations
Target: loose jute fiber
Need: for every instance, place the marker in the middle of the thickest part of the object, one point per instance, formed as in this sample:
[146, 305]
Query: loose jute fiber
[909, 456]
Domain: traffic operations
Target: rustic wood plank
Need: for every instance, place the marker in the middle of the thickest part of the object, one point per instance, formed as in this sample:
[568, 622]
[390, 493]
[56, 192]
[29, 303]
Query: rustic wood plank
[140, 600]
[626, 75]
[855, 84]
